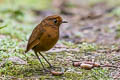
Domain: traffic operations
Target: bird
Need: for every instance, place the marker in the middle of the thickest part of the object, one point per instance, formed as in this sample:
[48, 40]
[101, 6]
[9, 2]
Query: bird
[44, 36]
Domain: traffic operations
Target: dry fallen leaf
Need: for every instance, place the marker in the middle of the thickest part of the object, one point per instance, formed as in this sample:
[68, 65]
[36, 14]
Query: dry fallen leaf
[76, 64]
[86, 66]
[56, 73]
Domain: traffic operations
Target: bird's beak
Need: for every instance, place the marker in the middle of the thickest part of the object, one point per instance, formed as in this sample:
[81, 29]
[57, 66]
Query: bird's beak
[64, 22]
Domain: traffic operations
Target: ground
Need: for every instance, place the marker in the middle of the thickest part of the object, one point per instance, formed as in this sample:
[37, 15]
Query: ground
[91, 34]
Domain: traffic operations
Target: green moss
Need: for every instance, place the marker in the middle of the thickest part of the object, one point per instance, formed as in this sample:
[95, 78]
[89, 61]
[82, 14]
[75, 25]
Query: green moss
[94, 74]
[88, 47]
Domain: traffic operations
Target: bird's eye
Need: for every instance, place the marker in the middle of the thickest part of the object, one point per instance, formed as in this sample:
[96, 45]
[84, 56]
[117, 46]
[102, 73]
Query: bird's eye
[55, 21]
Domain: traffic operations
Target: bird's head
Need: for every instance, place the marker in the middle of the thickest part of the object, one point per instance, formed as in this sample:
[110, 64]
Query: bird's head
[53, 20]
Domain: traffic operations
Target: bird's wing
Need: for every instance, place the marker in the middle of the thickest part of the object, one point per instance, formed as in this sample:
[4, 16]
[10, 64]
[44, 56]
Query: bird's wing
[35, 37]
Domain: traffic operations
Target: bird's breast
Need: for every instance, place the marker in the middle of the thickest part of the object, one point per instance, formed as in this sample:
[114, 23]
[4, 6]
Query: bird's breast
[48, 40]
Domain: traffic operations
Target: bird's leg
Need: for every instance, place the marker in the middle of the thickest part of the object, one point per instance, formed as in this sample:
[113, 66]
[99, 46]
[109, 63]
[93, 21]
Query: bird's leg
[46, 60]
[39, 60]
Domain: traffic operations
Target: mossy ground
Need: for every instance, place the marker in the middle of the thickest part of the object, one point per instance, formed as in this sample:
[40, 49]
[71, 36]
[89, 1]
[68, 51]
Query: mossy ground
[17, 25]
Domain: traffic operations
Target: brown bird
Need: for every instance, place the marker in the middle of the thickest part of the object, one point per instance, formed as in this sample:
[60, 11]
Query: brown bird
[44, 36]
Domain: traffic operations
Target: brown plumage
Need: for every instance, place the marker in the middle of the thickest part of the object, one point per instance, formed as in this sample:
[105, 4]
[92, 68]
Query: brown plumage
[45, 35]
